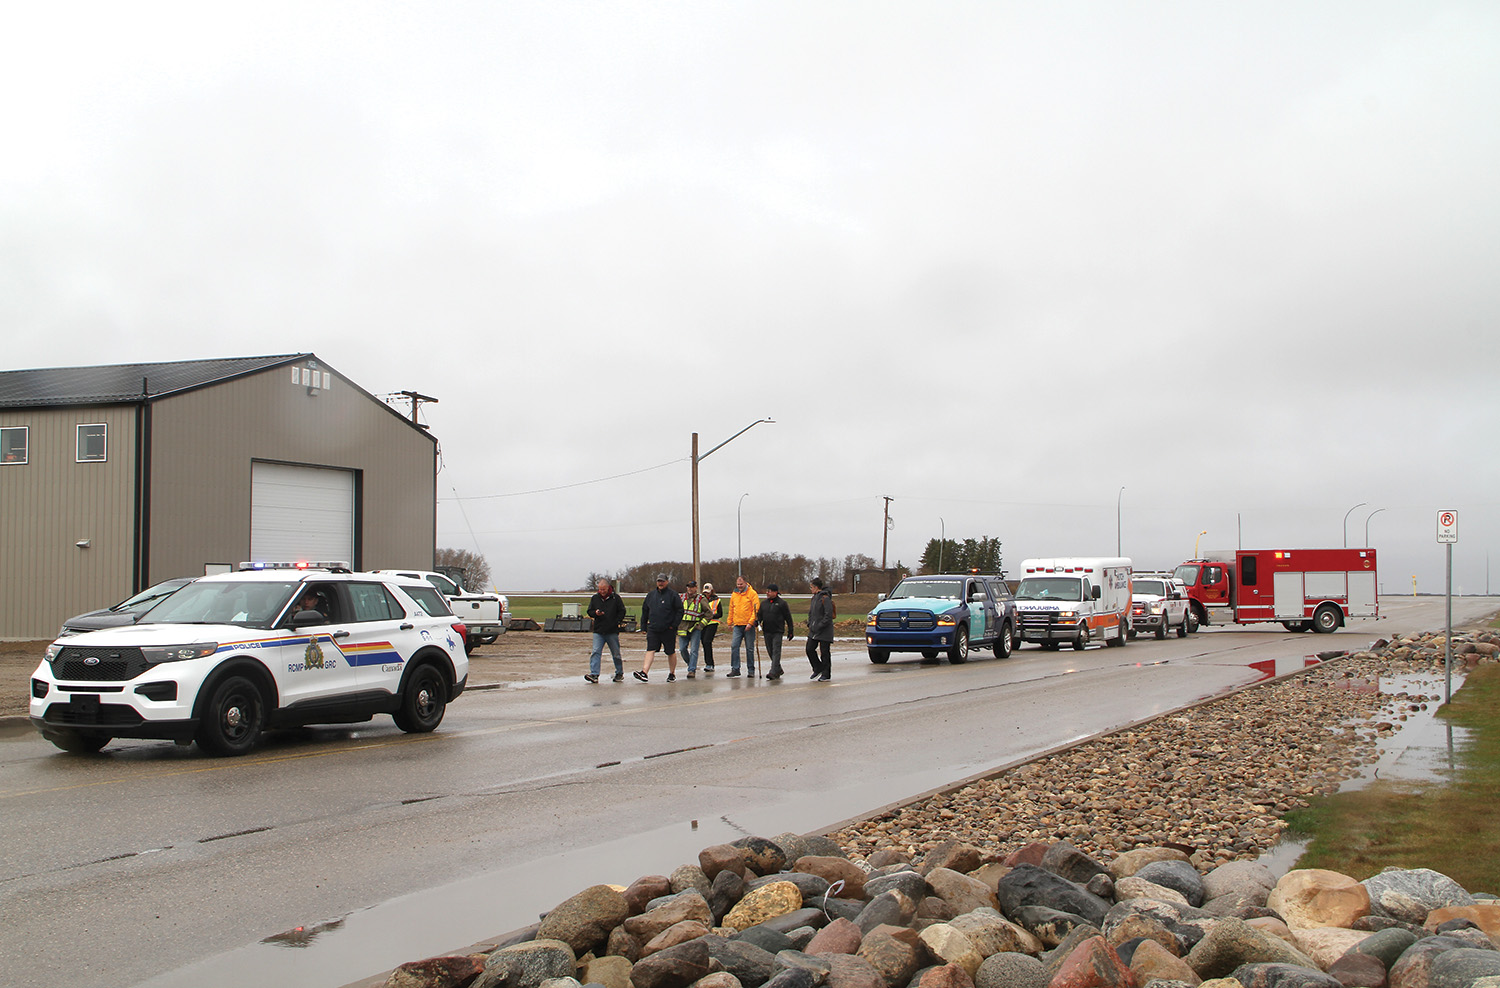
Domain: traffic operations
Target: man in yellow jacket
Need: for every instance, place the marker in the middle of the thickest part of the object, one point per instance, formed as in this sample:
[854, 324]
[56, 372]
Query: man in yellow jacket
[744, 611]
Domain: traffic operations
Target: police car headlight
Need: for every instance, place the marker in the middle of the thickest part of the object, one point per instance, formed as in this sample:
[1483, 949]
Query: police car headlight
[179, 653]
[53, 651]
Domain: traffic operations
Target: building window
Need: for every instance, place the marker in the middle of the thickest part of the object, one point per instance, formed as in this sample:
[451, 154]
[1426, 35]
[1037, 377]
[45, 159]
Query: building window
[91, 443]
[13, 444]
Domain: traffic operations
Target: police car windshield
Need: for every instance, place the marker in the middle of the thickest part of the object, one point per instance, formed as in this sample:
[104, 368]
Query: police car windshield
[250, 604]
[1049, 588]
[927, 588]
[1149, 587]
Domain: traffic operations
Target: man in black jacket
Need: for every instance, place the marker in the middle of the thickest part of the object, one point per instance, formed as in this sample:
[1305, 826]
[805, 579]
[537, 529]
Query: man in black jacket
[661, 612]
[775, 620]
[608, 612]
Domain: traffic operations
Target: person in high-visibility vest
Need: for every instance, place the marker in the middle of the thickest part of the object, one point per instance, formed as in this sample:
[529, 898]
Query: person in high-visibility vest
[690, 631]
[713, 610]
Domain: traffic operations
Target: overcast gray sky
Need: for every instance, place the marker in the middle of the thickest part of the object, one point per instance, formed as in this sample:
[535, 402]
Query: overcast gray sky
[994, 260]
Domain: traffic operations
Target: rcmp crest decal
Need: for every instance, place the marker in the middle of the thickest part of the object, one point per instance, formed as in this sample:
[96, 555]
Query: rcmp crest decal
[312, 657]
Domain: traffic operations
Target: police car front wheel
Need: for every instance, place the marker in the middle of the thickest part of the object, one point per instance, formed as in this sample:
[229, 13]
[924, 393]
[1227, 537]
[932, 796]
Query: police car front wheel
[234, 717]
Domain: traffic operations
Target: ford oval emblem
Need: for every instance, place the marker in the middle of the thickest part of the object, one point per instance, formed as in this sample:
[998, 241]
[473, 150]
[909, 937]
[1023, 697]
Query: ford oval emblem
[92, 660]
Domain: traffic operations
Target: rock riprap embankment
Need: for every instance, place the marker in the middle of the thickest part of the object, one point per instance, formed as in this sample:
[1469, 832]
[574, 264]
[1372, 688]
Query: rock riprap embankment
[1122, 862]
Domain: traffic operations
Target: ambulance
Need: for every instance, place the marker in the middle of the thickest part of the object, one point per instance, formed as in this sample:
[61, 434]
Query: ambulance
[1074, 600]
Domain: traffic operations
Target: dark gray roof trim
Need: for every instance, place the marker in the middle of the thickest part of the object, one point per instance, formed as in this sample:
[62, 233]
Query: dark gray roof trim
[117, 383]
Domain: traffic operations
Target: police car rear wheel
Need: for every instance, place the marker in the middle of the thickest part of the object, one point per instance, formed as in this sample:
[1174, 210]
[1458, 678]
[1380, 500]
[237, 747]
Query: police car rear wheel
[423, 704]
[233, 719]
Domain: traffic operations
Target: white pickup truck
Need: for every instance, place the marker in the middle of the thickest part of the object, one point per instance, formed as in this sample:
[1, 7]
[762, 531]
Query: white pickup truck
[1157, 603]
[485, 615]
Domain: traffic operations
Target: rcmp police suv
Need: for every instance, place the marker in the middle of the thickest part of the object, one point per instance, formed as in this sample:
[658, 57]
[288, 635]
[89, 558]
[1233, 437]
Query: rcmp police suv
[229, 656]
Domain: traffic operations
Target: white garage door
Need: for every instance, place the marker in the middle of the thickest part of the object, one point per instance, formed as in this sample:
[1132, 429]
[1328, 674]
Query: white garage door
[301, 513]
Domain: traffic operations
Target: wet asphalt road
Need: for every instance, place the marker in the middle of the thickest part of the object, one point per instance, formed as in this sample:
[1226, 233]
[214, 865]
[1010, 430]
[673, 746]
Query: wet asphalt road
[332, 854]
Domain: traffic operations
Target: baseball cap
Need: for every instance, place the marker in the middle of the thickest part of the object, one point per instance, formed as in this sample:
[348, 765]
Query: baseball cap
[692, 583]
[661, 577]
[772, 586]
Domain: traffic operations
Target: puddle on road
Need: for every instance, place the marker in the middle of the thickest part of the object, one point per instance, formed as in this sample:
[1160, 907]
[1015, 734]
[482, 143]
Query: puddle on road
[1424, 748]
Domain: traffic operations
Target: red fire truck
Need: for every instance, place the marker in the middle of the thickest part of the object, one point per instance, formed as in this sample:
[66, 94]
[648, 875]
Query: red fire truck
[1319, 589]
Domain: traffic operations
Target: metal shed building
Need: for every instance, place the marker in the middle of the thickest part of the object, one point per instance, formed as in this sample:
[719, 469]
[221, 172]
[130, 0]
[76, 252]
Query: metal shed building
[113, 478]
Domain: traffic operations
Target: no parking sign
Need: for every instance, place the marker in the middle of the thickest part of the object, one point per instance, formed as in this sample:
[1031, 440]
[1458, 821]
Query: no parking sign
[1447, 526]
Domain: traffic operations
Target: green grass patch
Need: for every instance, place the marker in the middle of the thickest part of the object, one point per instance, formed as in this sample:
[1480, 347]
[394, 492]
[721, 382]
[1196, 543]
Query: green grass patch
[1450, 825]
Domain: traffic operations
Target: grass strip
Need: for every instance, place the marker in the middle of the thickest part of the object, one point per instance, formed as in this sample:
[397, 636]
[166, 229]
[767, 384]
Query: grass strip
[1450, 825]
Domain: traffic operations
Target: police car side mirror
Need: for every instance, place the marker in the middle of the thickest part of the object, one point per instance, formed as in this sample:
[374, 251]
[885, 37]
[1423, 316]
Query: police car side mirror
[879, 597]
[303, 619]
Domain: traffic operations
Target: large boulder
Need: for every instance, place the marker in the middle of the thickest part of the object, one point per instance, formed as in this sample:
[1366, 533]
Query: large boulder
[952, 946]
[1029, 885]
[894, 951]
[839, 937]
[1011, 970]
[953, 854]
[1127, 864]
[1327, 944]
[851, 971]
[764, 857]
[1239, 877]
[527, 965]
[1409, 894]
[583, 922]
[1135, 887]
[767, 902]
[835, 869]
[453, 971]
[888, 908]
[1093, 964]
[1267, 975]
[1175, 927]
[1067, 861]
[960, 891]
[675, 967]
[684, 906]
[1462, 967]
[1312, 897]
[1231, 943]
[991, 933]
[1179, 876]
[906, 881]
[1152, 962]
[753, 965]
[688, 929]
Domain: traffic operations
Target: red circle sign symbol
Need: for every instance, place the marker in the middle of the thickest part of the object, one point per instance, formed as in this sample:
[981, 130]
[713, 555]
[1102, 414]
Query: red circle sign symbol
[1446, 519]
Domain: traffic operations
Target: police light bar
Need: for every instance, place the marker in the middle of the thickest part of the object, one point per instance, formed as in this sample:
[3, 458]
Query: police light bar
[300, 564]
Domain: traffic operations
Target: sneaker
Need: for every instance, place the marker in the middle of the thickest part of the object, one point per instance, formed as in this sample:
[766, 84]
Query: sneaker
[641, 676]
[708, 667]
[822, 679]
[619, 678]
[590, 678]
[733, 675]
[815, 675]
[773, 677]
[671, 677]
[692, 675]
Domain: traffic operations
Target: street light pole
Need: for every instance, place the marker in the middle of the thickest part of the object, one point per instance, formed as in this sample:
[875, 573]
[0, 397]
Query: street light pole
[1367, 525]
[1346, 521]
[697, 574]
[1196, 541]
[1118, 498]
[739, 540]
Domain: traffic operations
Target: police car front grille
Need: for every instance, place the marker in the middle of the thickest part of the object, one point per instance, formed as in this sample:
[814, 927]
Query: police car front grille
[112, 664]
[92, 715]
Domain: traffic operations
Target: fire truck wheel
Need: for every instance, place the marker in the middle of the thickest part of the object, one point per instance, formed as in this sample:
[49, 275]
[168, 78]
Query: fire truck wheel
[1081, 640]
[1325, 620]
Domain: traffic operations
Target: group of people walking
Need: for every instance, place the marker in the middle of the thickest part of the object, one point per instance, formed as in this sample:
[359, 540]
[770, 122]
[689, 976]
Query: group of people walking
[687, 623]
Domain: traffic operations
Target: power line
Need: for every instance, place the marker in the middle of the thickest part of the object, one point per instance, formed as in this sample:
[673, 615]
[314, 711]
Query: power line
[563, 487]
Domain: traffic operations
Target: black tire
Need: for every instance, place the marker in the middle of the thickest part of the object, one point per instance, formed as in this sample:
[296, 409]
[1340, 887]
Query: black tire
[959, 653]
[1161, 629]
[1051, 646]
[1182, 629]
[1191, 622]
[1200, 614]
[880, 656]
[1082, 639]
[1130, 634]
[233, 718]
[424, 702]
[930, 654]
[470, 644]
[1326, 620]
[1004, 644]
[78, 744]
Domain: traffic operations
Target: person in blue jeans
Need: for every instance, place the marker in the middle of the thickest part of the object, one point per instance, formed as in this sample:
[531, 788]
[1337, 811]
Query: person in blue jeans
[744, 611]
[608, 612]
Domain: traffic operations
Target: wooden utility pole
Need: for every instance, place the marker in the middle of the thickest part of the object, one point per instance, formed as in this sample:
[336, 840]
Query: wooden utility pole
[885, 533]
[416, 402]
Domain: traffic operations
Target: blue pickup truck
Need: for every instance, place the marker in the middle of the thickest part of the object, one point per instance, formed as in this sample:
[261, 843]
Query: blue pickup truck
[949, 614]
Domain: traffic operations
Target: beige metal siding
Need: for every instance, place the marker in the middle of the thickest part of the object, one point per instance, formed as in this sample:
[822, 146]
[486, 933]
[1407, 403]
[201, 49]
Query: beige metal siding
[51, 502]
[203, 444]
